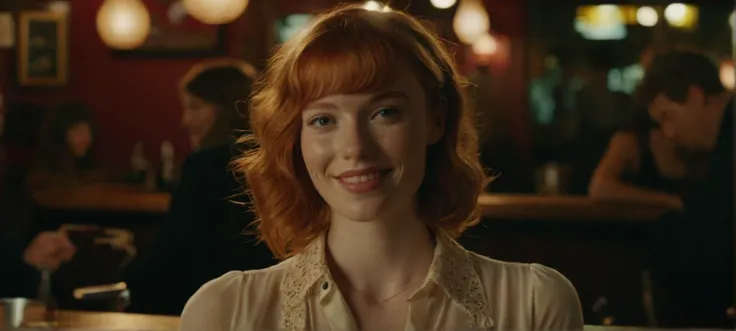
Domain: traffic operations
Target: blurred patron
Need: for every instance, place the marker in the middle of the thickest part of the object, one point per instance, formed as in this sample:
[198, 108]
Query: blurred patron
[641, 164]
[202, 236]
[21, 275]
[210, 93]
[693, 253]
[64, 157]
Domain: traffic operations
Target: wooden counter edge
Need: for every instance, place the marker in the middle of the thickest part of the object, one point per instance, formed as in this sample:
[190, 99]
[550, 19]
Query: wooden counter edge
[493, 206]
[565, 207]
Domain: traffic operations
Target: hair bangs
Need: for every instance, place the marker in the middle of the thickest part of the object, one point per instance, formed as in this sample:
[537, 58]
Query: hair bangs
[349, 60]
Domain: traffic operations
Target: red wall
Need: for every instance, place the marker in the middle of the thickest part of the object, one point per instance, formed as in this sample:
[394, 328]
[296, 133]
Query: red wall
[136, 99]
[133, 98]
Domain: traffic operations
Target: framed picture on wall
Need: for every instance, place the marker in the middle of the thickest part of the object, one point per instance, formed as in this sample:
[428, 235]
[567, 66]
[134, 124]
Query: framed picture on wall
[43, 47]
[174, 33]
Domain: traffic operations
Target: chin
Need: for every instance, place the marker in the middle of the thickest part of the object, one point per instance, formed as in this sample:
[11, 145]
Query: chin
[367, 210]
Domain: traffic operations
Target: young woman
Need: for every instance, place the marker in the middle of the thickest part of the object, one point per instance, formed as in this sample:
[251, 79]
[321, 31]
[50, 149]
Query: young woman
[209, 93]
[365, 170]
[64, 156]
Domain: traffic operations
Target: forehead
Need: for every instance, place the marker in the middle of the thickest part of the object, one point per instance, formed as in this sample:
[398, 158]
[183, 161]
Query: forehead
[659, 105]
[365, 52]
[403, 85]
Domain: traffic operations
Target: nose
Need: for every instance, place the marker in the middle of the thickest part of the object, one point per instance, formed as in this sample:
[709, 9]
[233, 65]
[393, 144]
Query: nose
[354, 141]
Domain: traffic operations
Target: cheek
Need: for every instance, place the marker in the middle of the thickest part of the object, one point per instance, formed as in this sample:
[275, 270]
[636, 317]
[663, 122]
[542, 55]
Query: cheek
[209, 116]
[316, 153]
[404, 143]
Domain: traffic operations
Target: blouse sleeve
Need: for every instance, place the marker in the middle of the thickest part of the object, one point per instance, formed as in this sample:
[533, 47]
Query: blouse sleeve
[556, 304]
[215, 305]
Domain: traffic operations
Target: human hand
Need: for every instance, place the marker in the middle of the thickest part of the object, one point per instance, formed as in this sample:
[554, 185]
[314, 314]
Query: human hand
[49, 250]
[675, 203]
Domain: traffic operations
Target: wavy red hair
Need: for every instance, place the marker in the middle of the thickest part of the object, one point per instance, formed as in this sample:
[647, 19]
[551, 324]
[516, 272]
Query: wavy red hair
[348, 50]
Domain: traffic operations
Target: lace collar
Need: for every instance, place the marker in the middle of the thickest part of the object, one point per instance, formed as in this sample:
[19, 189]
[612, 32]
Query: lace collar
[452, 269]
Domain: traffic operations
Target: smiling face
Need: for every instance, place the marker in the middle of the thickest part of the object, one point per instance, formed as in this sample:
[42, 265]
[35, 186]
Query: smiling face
[366, 152]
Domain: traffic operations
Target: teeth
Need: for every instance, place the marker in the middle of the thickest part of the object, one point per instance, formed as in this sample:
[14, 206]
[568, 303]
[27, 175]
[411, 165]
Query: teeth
[361, 178]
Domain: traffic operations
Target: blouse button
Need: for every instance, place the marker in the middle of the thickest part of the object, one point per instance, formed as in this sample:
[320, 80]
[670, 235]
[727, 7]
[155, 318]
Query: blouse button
[325, 286]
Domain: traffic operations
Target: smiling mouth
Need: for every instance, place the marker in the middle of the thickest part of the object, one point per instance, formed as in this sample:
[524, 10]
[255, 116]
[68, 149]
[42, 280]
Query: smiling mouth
[363, 182]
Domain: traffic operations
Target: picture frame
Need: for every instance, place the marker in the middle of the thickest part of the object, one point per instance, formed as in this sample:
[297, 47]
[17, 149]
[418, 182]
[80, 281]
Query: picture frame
[175, 34]
[43, 49]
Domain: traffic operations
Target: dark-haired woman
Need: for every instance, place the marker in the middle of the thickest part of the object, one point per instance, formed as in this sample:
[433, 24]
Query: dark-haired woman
[202, 235]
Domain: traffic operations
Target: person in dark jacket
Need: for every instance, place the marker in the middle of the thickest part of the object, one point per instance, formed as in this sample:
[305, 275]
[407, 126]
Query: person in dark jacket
[203, 235]
[692, 256]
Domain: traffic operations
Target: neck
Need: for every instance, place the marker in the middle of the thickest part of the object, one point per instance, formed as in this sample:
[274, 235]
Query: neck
[718, 105]
[380, 257]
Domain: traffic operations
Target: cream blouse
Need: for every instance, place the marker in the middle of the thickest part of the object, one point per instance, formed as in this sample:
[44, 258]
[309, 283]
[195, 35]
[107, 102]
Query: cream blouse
[463, 291]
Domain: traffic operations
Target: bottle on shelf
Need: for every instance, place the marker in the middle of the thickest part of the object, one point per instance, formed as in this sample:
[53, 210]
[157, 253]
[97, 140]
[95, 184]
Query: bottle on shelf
[139, 163]
[167, 172]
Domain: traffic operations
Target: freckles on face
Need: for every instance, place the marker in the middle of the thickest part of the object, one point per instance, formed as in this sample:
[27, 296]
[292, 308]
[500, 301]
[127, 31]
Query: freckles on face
[366, 147]
[356, 132]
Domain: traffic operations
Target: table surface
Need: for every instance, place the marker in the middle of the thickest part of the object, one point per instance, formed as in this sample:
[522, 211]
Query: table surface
[102, 321]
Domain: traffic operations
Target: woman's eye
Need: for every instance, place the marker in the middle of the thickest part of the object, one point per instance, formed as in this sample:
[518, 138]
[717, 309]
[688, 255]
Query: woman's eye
[320, 121]
[387, 112]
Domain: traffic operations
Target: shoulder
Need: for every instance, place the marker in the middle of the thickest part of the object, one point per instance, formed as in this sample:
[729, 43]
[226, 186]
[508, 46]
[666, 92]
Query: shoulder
[548, 297]
[556, 303]
[521, 277]
[237, 299]
[549, 283]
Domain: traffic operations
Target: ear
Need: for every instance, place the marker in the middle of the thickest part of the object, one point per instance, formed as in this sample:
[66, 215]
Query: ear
[696, 95]
[435, 125]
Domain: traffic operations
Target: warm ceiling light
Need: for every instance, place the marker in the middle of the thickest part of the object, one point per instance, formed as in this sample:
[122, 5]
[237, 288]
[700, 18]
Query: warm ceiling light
[471, 21]
[123, 24]
[443, 4]
[675, 12]
[485, 45]
[372, 5]
[728, 77]
[681, 15]
[215, 11]
[647, 16]
[376, 6]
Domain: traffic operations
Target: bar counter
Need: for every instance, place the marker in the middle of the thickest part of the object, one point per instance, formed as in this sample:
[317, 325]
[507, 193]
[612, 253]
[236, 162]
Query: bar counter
[127, 198]
[104, 197]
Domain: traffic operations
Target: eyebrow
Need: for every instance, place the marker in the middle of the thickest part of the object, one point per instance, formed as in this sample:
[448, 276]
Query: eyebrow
[380, 96]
